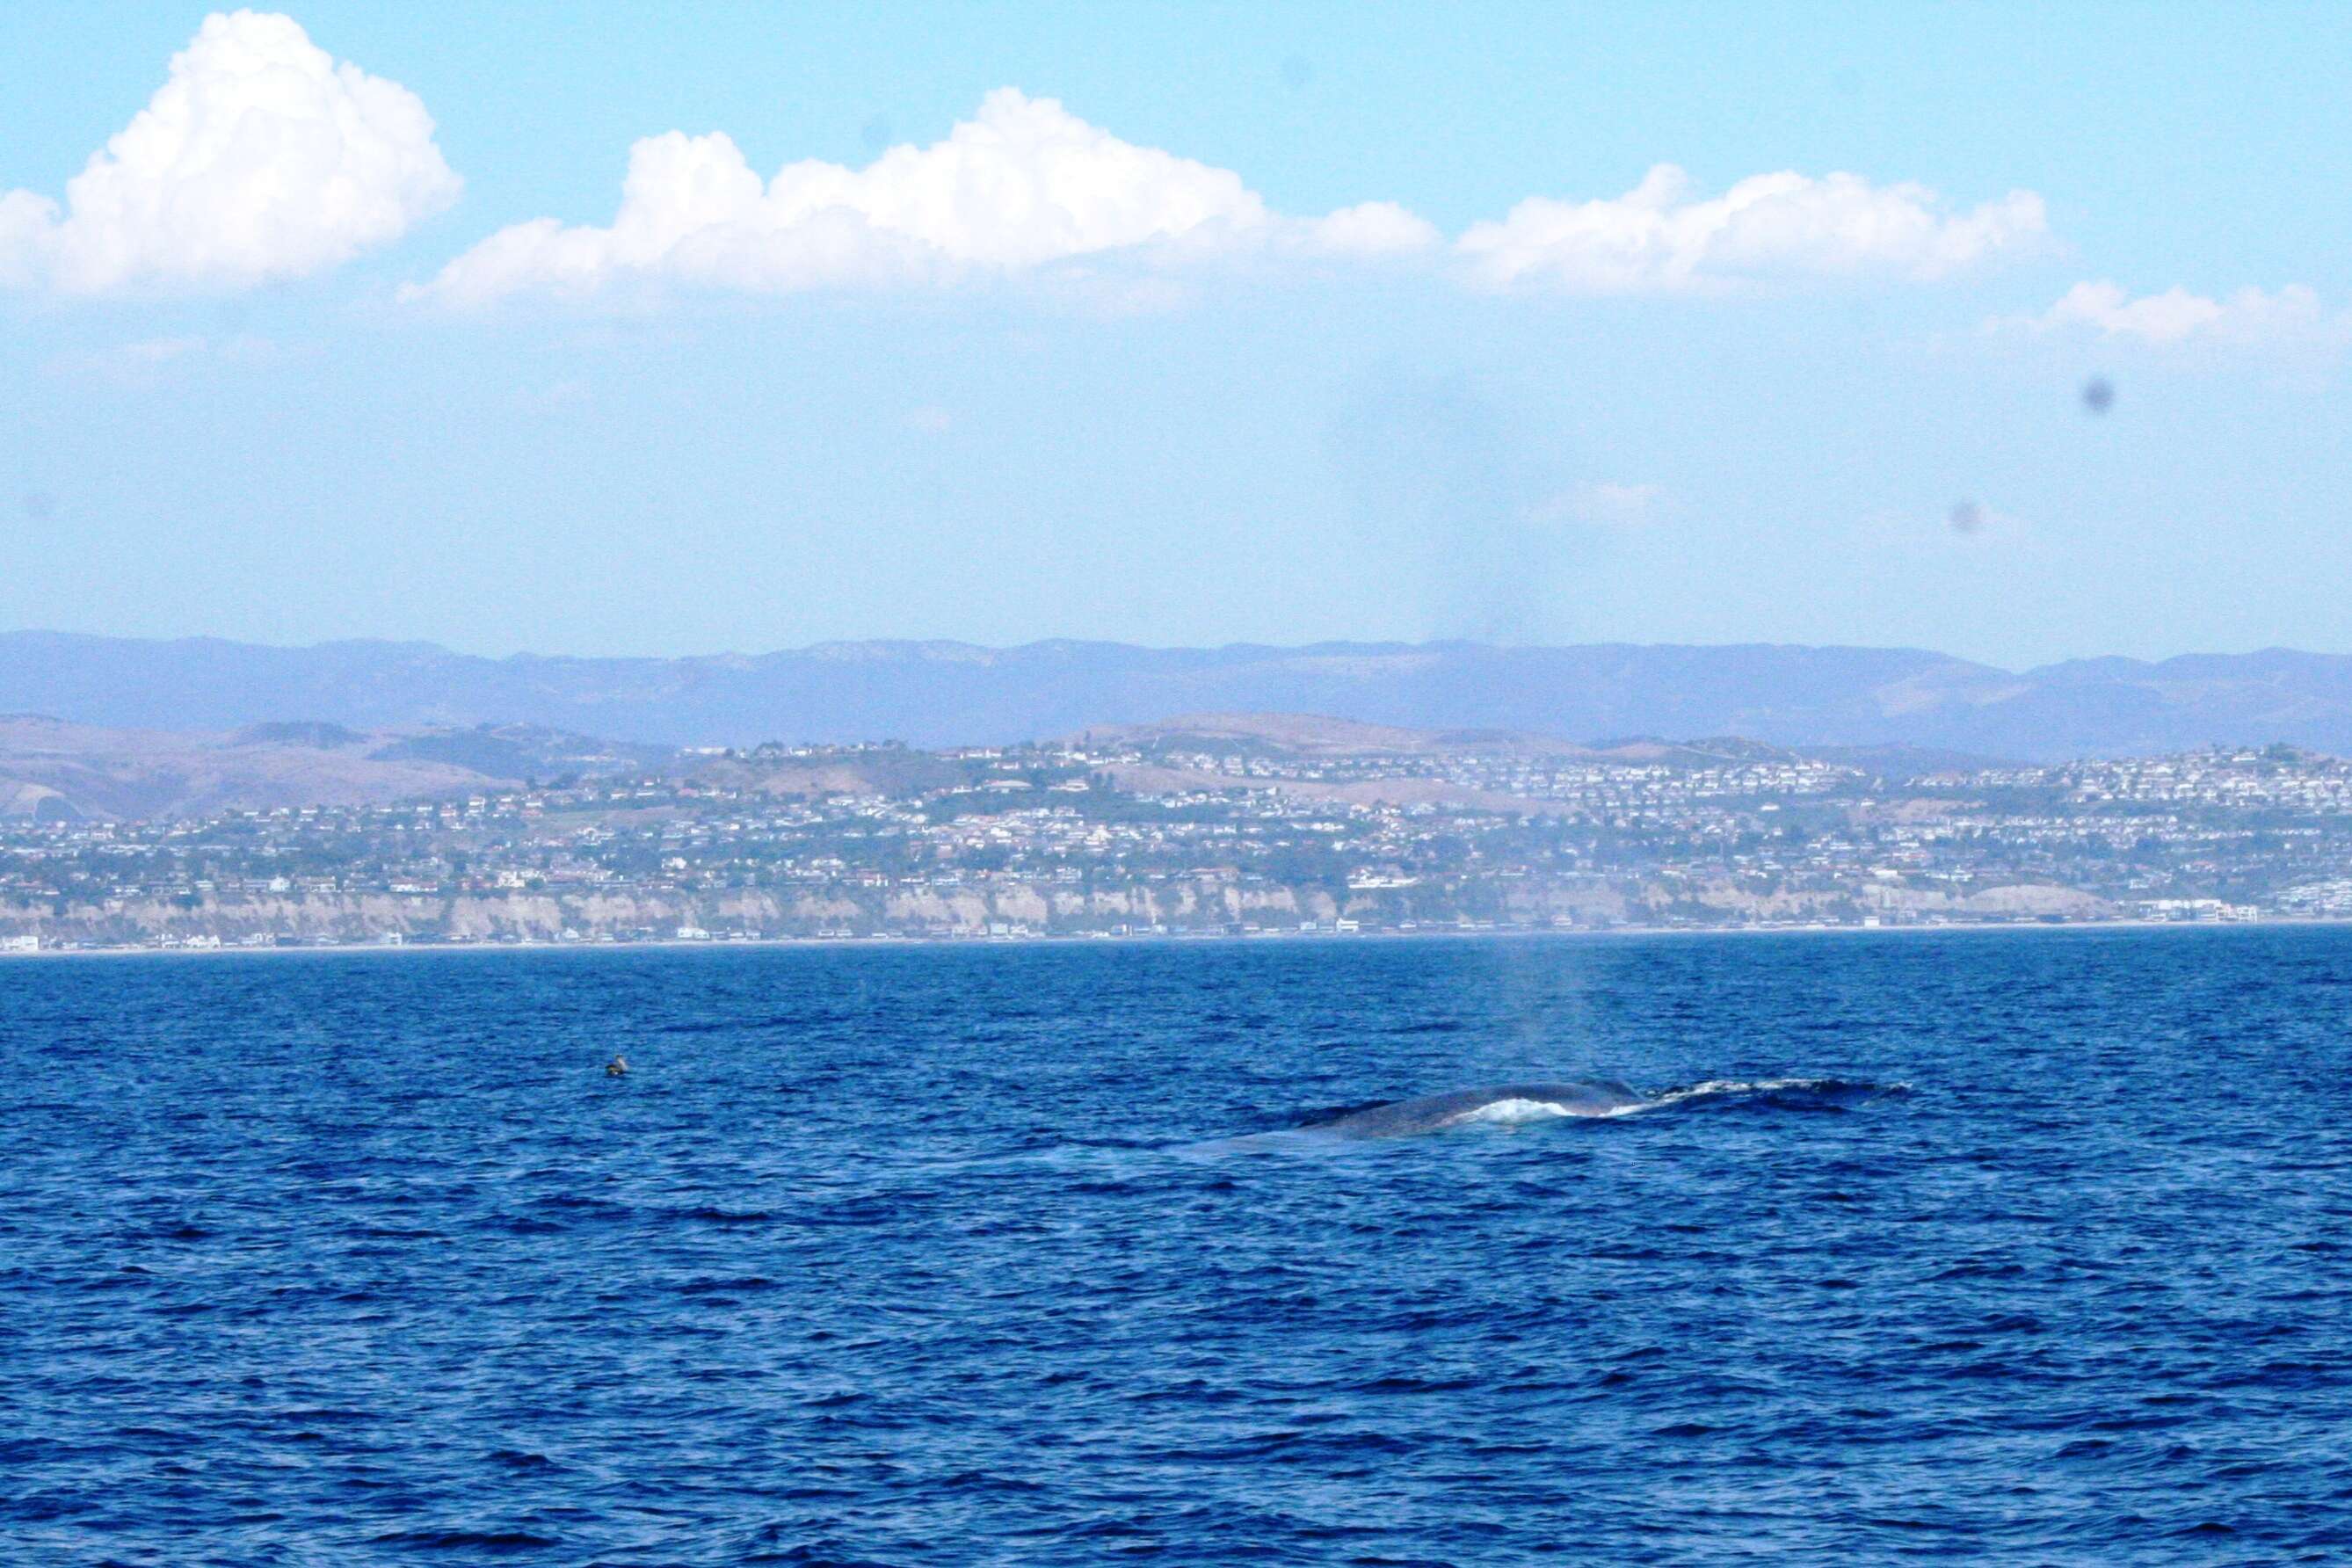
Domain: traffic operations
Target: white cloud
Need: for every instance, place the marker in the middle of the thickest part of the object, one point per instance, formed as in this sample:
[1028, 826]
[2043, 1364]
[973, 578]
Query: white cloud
[1370, 228]
[260, 158]
[1022, 184]
[560, 396]
[1606, 504]
[157, 351]
[2250, 317]
[1656, 239]
[151, 363]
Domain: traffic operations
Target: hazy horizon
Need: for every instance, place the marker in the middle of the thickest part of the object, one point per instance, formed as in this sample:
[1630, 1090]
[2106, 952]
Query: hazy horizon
[464, 650]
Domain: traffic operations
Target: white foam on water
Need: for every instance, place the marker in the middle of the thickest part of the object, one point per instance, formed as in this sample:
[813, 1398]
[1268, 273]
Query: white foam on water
[1518, 1112]
[1716, 1086]
[1737, 1086]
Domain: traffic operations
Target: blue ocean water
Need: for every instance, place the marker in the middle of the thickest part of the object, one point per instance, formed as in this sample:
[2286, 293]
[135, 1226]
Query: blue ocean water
[984, 1256]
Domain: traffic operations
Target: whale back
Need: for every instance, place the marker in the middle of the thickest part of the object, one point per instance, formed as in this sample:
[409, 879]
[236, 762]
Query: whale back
[1506, 1103]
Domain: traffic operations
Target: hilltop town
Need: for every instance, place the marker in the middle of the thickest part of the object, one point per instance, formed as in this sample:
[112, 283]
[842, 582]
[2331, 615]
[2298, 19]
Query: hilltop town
[1250, 826]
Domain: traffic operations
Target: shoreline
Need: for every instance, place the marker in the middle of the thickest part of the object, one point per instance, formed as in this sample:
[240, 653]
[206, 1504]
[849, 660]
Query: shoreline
[1619, 933]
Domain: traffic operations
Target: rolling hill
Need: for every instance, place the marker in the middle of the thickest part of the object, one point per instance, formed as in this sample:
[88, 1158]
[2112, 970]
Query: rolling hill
[944, 693]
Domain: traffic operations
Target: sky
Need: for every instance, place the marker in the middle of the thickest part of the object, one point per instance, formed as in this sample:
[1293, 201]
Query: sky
[2019, 332]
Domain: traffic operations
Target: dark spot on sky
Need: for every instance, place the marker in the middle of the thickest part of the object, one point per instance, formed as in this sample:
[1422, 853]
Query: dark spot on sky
[2098, 395]
[875, 133]
[1297, 72]
[1967, 516]
[40, 506]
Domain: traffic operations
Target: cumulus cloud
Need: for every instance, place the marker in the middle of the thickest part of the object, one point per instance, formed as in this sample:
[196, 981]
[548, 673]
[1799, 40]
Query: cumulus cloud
[1020, 185]
[260, 158]
[1370, 228]
[1658, 238]
[2291, 316]
[1023, 186]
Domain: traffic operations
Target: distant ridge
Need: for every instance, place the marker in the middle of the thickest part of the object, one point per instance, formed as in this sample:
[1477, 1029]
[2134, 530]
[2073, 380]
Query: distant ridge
[946, 693]
[52, 770]
[1311, 735]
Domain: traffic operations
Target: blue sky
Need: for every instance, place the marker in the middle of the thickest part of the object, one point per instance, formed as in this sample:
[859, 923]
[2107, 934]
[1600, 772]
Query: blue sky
[1227, 323]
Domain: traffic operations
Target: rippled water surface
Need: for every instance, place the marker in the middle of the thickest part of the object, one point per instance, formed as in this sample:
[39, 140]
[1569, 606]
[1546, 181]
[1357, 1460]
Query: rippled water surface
[987, 1256]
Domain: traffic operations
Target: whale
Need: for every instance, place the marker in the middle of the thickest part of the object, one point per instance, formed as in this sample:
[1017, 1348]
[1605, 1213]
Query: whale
[1502, 1104]
[1509, 1105]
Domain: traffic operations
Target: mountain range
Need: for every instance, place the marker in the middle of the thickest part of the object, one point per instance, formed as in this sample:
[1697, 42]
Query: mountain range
[948, 693]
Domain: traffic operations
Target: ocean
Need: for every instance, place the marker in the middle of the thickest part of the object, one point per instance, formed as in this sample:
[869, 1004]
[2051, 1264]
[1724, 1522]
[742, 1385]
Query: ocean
[2008, 1247]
